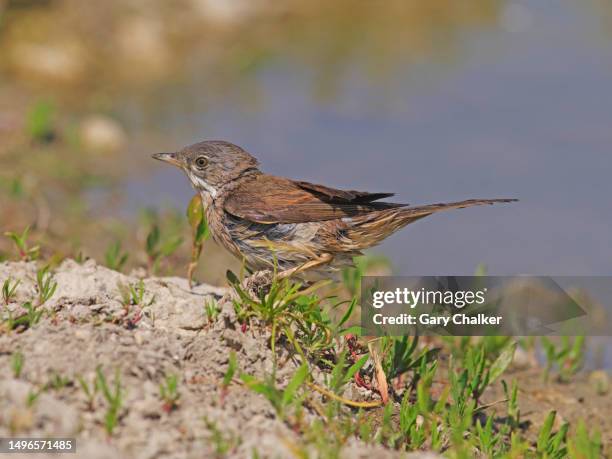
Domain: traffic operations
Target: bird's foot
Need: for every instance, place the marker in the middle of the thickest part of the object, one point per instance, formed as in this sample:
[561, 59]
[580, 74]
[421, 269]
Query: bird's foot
[258, 283]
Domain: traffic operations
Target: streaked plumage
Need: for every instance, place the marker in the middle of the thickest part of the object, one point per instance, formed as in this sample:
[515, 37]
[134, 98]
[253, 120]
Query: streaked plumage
[265, 219]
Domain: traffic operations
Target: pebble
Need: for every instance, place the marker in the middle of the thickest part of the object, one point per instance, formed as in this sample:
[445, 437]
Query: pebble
[102, 134]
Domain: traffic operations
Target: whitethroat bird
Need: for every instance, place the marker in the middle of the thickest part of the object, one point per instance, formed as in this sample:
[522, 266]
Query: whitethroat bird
[275, 223]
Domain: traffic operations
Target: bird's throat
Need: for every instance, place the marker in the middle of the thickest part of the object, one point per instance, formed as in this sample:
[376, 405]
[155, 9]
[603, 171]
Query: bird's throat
[202, 186]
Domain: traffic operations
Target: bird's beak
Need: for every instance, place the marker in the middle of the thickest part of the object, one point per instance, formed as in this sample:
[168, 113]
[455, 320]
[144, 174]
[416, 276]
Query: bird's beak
[171, 158]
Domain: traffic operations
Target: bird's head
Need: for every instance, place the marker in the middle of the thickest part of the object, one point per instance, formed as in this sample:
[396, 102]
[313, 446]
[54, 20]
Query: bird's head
[211, 164]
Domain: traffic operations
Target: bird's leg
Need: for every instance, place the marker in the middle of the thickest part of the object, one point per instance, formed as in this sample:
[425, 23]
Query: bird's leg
[323, 259]
[260, 281]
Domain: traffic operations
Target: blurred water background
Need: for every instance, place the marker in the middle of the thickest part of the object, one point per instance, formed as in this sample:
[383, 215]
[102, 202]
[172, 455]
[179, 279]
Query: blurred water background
[436, 101]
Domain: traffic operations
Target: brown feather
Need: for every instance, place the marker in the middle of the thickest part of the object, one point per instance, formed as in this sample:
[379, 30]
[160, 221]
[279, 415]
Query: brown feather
[269, 199]
[342, 196]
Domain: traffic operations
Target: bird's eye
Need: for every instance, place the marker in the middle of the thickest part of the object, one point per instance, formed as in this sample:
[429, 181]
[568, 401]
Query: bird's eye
[201, 162]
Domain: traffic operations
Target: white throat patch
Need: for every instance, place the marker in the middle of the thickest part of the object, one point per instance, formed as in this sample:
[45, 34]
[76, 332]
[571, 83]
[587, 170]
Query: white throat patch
[198, 182]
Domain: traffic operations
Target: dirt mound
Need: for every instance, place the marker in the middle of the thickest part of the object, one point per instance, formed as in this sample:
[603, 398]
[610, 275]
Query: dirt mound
[92, 329]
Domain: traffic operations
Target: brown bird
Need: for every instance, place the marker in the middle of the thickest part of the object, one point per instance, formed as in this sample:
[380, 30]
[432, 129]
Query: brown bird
[270, 221]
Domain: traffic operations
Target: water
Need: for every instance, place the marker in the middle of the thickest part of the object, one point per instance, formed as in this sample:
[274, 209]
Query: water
[435, 101]
[522, 108]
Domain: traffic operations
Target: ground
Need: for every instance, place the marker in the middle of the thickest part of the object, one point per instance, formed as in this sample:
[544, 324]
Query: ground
[89, 330]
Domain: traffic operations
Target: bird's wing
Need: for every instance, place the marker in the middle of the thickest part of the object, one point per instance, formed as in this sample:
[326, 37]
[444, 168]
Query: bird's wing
[342, 196]
[270, 199]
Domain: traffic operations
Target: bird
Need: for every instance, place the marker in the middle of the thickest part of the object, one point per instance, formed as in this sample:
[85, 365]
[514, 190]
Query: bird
[290, 227]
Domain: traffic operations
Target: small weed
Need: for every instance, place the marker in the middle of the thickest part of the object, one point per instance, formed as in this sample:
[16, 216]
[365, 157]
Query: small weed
[567, 358]
[211, 310]
[46, 285]
[32, 396]
[58, 382]
[549, 445]
[17, 361]
[487, 438]
[9, 291]
[90, 391]
[200, 233]
[114, 399]
[478, 373]
[134, 295]
[13, 187]
[80, 257]
[232, 366]
[514, 414]
[281, 399]
[168, 391]
[342, 372]
[400, 355]
[39, 123]
[157, 249]
[27, 320]
[584, 445]
[223, 442]
[26, 253]
[114, 258]
[291, 311]
[412, 427]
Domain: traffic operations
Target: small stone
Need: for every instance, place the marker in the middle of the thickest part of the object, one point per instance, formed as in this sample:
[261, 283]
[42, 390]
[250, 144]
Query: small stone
[102, 134]
[82, 334]
[600, 381]
[142, 45]
[59, 62]
[523, 359]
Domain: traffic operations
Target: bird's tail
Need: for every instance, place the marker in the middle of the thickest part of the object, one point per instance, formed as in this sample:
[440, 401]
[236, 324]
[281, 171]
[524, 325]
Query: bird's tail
[381, 224]
[423, 211]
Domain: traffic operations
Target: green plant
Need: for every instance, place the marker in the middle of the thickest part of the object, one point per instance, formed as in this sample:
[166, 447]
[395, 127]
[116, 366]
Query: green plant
[90, 391]
[567, 357]
[9, 291]
[342, 372]
[158, 248]
[114, 399]
[114, 257]
[17, 361]
[30, 318]
[549, 445]
[399, 355]
[478, 372]
[289, 310]
[25, 320]
[134, 294]
[13, 187]
[26, 253]
[223, 442]
[46, 285]
[514, 414]
[211, 310]
[58, 381]
[39, 123]
[33, 395]
[584, 445]
[281, 399]
[487, 438]
[412, 427]
[200, 233]
[232, 366]
[169, 393]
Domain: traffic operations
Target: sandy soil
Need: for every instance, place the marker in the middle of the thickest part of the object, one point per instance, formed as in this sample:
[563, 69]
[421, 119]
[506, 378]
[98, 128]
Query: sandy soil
[88, 326]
